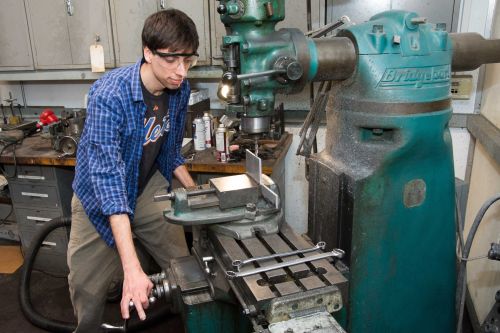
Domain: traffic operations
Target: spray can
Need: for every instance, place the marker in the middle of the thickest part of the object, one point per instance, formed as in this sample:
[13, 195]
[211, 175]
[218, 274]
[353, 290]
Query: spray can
[222, 143]
[198, 134]
[208, 123]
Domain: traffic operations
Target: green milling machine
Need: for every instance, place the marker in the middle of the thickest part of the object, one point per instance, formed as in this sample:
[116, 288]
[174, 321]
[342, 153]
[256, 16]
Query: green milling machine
[382, 190]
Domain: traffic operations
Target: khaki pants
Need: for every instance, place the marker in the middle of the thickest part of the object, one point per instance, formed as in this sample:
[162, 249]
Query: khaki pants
[93, 264]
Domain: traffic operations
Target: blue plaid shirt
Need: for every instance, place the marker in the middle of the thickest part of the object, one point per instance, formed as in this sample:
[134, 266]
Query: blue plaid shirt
[110, 149]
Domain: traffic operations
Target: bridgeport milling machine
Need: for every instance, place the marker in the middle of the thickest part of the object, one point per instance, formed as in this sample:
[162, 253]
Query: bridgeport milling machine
[382, 190]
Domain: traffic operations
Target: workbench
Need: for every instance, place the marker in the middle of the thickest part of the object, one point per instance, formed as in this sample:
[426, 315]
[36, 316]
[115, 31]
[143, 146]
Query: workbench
[35, 150]
[205, 161]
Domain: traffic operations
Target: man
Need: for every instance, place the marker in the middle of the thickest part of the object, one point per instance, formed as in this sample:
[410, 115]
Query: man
[129, 149]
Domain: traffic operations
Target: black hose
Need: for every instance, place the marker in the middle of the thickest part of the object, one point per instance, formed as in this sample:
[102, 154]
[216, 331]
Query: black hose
[462, 272]
[53, 325]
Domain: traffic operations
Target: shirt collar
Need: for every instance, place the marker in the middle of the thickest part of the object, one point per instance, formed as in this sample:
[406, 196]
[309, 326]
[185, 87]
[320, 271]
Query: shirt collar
[136, 82]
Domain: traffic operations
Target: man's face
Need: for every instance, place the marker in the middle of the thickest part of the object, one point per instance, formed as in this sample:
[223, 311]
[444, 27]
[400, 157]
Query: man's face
[171, 67]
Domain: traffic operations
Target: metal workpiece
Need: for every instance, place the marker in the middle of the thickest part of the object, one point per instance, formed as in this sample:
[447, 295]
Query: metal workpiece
[336, 253]
[471, 50]
[254, 167]
[235, 191]
[335, 59]
[240, 263]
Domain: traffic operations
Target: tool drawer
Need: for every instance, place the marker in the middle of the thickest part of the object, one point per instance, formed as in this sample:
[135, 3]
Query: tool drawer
[31, 173]
[35, 195]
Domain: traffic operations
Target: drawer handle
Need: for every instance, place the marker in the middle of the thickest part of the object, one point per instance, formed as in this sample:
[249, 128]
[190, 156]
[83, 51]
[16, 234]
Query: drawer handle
[49, 244]
[31, 194]
[38, 219]
[31, 177]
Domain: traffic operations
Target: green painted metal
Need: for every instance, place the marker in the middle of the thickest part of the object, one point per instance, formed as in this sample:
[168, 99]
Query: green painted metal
[398, 158]
[252, 30]
[389, 146]
[214, 317]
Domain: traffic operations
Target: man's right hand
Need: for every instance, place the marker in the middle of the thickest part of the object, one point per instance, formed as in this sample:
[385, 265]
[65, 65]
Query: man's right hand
[136, 288]
[136, 284]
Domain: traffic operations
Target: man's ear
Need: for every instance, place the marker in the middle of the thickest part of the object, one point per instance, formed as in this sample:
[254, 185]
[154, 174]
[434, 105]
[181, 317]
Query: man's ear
[148, 54]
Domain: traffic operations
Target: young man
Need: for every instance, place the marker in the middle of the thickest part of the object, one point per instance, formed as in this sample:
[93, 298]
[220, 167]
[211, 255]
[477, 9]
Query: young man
[129, 149]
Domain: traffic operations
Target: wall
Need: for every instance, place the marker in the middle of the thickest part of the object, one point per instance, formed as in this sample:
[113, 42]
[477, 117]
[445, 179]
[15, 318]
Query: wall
[483, 276]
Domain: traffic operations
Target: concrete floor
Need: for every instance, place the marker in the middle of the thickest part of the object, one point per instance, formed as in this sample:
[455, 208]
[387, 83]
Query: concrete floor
[50, 297]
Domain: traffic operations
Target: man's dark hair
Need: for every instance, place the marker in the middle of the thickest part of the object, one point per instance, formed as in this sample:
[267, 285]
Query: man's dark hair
[170, 29]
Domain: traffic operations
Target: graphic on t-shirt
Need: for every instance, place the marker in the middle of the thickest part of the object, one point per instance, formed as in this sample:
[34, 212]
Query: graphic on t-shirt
[154, 130]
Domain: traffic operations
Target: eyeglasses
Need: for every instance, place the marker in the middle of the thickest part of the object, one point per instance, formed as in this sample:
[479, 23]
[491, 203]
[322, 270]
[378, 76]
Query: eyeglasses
[173, 60]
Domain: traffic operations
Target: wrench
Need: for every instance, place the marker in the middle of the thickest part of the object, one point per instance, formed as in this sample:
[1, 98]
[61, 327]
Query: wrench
[240, 263]
[337, 253]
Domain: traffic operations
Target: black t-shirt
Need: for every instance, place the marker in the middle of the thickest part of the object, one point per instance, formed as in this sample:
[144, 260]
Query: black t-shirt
[157, 126]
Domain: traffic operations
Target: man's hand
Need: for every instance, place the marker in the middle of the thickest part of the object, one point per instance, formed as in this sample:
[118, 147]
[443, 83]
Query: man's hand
[136, 285]
[136, 288]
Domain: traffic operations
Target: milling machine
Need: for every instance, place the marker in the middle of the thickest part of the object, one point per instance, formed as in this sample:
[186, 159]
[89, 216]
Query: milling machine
[382, 190]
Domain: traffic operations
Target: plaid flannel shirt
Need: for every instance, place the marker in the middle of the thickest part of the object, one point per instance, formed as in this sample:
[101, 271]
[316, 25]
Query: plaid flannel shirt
[110, 149]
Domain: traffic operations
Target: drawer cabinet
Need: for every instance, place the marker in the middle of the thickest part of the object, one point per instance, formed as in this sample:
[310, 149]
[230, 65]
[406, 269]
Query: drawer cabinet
[40, 194]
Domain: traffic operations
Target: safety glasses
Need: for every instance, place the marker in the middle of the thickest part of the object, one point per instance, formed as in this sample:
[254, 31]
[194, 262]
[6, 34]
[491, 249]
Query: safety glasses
[172, 60]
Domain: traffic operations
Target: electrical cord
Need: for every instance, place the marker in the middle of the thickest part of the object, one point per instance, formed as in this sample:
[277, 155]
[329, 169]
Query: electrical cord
[2, 221]
[462, 272]
[5, 146]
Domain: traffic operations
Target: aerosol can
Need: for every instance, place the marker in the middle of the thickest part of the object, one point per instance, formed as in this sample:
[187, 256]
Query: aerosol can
[208, 123]
[222, 143]
[198, 134]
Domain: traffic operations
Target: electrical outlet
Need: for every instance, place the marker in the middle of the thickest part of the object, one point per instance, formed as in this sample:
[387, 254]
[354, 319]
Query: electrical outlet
[461, 86]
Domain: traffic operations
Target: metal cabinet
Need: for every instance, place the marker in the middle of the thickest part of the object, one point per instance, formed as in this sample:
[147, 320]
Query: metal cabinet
[129, 16]
[40, 194]
[128, 19]
[62, 32]
[199, 13]
[15, 50]
[295, 17]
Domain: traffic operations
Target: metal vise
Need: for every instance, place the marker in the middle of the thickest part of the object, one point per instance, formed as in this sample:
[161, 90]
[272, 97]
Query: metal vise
[237, 206]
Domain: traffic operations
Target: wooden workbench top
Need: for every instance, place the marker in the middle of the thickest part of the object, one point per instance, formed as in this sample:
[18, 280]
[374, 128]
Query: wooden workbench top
[35, 150]
[205, 161]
